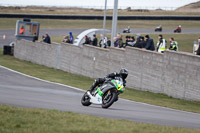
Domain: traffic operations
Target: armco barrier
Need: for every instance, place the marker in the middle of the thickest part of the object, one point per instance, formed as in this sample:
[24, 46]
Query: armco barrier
[97, 17]
[173, 73]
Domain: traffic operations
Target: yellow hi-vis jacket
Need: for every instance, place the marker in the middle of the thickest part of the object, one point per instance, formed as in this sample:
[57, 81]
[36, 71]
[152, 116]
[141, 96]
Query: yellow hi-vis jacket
[161, 46]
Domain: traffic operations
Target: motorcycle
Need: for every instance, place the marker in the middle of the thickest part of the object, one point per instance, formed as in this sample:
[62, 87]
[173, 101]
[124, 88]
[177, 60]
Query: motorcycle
[106, 94]
[159, 28]
[177, 31]
[127, 30]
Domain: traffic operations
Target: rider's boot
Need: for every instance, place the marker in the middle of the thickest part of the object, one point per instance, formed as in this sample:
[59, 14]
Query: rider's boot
[93, 87]
[95, 84]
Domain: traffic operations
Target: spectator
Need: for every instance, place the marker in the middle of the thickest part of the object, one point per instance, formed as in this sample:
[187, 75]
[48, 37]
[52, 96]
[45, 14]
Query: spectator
[137, 37]
[103, 41]
[137, 41]
[46, 39]
[173, 44]
[35, 37]
[131, 42]
[71, 37]
[162, 44]
[66, 39]
[22, 30]
[95, 40]
[116, 44]
[120, 41]
[198, 50]
[149, 43]
[108, 42]
[127, 39]
[140, 43]
[87, 41]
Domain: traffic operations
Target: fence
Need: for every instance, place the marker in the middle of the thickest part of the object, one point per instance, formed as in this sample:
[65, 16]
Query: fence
[173, 73]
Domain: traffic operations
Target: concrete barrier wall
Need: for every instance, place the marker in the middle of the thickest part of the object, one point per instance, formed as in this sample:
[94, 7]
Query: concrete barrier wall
[173, 73]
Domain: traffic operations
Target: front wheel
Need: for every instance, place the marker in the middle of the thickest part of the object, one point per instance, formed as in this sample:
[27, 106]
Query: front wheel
[85, 100]
[108, 99]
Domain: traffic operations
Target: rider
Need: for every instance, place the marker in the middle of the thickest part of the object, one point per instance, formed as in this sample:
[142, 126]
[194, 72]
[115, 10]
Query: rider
[123, 74]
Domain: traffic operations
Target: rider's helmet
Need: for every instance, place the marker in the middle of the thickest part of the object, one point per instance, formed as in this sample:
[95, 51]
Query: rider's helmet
[123, 73]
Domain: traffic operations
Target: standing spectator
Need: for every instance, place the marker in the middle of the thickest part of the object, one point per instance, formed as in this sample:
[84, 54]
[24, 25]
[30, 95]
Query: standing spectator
[140, 43]
[71, 37]
[66, 39]
[131, 42]
[87, 41]
[46, 39]
[95, 40]
[108, 42]
[103, 41]
[173, 44]
[149, 43]
[161, 44]
[127, 39]
[198, 50]
[120, 41]
[22, 30]
[137, 37]
[116, 44]
[137, 43]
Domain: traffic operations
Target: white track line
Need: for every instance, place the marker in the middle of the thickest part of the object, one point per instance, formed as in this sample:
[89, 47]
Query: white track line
[41, 79]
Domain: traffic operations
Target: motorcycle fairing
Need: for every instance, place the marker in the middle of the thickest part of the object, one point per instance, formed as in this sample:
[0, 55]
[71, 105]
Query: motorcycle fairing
[97, 99]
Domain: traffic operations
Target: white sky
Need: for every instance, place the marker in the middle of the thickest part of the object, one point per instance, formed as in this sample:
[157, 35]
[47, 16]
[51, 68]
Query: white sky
[100, 3]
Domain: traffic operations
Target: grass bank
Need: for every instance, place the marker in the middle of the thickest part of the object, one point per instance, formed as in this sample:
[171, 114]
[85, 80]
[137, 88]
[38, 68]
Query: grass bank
[10, 23]
[85, 82]
[84, 11]
[22, 120]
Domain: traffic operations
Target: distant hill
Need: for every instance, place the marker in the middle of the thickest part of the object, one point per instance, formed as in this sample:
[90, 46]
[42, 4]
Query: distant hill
[193, 7]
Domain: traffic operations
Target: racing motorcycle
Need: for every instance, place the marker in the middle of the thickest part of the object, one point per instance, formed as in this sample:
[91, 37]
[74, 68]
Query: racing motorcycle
[105, 94]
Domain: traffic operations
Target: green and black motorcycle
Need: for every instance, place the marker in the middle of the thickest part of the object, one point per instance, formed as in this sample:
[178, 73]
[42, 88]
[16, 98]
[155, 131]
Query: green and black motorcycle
[106, 94]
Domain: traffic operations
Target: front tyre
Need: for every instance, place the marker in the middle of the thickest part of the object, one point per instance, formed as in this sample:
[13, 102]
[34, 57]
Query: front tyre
[85, 100]
[108, 99]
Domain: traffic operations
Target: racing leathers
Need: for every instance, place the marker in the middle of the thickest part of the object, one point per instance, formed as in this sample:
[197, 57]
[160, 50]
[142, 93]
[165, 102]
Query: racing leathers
[99, 81]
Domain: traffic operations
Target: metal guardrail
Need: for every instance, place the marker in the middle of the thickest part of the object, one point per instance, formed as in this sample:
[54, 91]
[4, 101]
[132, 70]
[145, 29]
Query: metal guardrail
[95, 17]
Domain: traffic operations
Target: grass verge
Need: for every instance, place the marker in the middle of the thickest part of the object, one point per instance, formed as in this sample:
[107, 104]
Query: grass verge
[23, 120]
[84, 11]
[10, 23]
[82, 82]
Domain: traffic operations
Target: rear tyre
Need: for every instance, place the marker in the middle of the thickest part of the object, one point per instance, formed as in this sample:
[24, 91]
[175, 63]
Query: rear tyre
[108, 99]
[85, 100]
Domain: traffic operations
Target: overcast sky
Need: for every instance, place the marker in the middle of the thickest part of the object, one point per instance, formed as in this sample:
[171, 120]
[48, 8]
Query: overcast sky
[95, 3]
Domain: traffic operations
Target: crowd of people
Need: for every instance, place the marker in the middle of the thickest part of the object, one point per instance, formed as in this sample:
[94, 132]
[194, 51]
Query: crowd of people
[104, 42]
[142, 42]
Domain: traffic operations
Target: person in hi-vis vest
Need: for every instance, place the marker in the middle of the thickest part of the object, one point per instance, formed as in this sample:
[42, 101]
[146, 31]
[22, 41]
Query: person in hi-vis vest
[173, 44]
[22, 30]
[161, 44]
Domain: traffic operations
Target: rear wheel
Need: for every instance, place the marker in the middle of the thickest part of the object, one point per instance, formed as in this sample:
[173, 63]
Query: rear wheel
[85, 100]
[108, 99]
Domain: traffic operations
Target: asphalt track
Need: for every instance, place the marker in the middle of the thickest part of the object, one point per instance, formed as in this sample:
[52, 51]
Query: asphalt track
[21, 90]
[10, 33]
